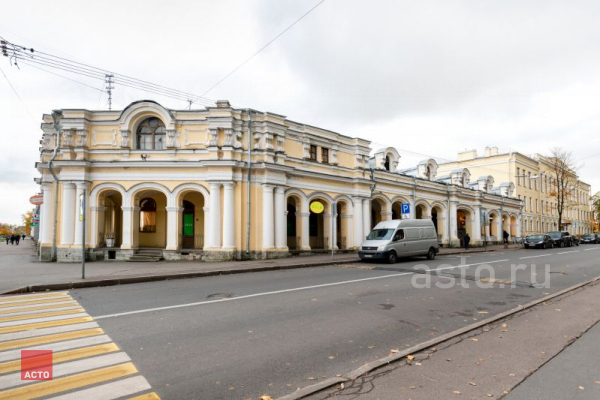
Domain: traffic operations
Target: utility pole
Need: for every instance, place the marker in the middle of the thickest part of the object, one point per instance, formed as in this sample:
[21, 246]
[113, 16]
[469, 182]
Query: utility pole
[109, 88]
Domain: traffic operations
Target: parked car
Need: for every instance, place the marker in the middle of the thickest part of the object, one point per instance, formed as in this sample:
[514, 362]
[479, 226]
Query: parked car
[590, 238]
[538, 241]
[561, 239]
[390, 240]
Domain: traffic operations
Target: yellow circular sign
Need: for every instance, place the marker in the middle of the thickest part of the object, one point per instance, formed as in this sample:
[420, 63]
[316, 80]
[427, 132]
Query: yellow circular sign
[317, 207]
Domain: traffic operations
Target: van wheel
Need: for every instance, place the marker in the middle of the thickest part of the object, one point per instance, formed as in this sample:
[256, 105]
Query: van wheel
[562, 244]
[392, 257]
[431, 254]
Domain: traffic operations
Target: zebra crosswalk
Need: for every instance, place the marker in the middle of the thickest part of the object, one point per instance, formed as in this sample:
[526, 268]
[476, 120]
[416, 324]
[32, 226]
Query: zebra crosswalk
[87, 364]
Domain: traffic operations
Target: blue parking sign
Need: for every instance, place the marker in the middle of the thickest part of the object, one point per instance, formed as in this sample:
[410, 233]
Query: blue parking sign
[405, 208]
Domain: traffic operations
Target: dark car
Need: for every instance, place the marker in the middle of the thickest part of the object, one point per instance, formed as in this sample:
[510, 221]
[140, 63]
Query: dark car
[538, 241]
[590, 238]
[561, 239]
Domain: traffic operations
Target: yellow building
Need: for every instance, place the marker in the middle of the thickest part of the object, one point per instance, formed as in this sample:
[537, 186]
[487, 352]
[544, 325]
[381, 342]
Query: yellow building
[224, 183]
[533, 183]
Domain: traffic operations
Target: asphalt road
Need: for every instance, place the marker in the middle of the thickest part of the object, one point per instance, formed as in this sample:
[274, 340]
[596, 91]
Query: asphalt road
[243, 336]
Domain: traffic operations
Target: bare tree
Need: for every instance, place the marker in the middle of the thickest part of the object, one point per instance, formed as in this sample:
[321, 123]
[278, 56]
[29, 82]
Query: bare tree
[563, 182]
[596, 210]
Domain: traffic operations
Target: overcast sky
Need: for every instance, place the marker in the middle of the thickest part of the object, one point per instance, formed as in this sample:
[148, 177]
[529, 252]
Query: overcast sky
[427, 77]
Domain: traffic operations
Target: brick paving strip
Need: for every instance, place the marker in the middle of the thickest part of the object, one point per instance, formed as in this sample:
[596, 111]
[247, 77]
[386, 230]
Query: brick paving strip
[484, 360]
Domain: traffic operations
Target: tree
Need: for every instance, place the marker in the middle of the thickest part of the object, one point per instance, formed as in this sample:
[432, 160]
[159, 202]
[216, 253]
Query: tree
[27, 222]
[563, 181]
[596, 210]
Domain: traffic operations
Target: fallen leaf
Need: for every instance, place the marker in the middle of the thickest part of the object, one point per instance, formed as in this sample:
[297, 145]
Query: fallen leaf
[557, 309]
[581, 388]
[472, 384]
[505, 325]
[490, 395]
[456, 392]
[265, 397]
[411, 387]
[409, 357]
[418, 364]
[474, 339]
[331, 357]
[597, 382]
[394, 351]
[511, 374]
[311, 378]
[483, 312]
[341, 385]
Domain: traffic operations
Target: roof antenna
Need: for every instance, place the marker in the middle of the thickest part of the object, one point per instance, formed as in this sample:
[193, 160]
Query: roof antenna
[109, 88]
[190, 106]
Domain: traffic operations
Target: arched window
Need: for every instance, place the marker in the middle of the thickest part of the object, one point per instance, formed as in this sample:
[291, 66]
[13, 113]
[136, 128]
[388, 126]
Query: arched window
[428, 173]
[386, 165]
[151, 135]
[147, 215]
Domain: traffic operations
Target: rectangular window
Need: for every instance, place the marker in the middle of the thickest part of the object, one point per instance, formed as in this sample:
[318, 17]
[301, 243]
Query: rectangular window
[519, 176]
[324, 155]
[313, 152]
[529, 176]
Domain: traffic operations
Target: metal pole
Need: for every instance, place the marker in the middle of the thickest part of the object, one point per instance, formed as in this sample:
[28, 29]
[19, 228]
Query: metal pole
[333, 225]
[83, 234]
[248, 189]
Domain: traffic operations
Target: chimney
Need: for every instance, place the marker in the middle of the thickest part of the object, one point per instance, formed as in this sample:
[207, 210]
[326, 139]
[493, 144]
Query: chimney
[223, 104]
[467, 155]
[494, 151]
[487, 152]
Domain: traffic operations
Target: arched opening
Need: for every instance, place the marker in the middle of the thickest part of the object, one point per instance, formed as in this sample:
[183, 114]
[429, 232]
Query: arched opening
[293, 224]
[318, 231]
[397, 210]
[377, 208]
[505, 225]
[437, 217]
[342, 225]
[151, 134]
[495, 235]
[464, 226]
[428, 173]
[191, 232]
[150, 221]
[110, 219]
[386, 164]
[420, 211]
[513, 226]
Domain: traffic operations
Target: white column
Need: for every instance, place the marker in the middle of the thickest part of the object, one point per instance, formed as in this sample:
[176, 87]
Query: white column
[46, 214]
[358, 222]
[81, 186]
[67, 216]
[228, 217]
[280, 219]
[487, 233]
[97, 215]
[126, 236]
[215, 216]
[453, 222]
[334, 230]
[267, 218]
[206, 226]
[413, 210]
[304, 245]
[477, 224]
[366, 216]
[173, 218]
[442, 221]
[499, 236]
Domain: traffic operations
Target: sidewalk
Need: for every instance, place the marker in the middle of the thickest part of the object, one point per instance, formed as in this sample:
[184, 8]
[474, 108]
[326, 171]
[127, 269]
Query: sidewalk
[523, 353]
[20, 269]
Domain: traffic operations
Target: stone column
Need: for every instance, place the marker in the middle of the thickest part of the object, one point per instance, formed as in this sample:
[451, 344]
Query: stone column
[477, 224]
[304, 245]
[215, 216]
[358, 222]
[127, 234]
[68, 211]
[499, 229]
[327, 233]
[267, 218]
[520, 226]
[366, 204]
[333, 229]
[228, 217]
[413, 210]
[441, 220]
[46, 220]
[453, 222]
[81, 186]
[280, 219]
[206, 227]
[173, 218]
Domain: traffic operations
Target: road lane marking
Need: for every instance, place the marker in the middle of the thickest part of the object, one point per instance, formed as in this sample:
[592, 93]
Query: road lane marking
[591, 249]
[64, 356]
[467, 265]
[14, 379]
[57, 337]
[567, 252]
[23, 297]
[149, 396]
[54, 386]
[85, 360]
[8, 310]
[249, 296]
[541, 255]
[46, 331]
[27, 327]
[113, 390]
[41, 314]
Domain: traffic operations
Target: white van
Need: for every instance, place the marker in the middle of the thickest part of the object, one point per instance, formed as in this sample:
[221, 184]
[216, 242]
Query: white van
[390, 240]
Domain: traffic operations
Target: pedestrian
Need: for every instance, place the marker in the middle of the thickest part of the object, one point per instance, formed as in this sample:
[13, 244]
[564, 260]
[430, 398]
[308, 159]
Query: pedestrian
[12, 239]
[23, 236]
[505, 236]
[17, 238]
[7, 239]
[467, 240]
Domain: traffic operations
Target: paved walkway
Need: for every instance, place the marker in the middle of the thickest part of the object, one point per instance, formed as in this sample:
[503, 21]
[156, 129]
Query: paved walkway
[20, 268]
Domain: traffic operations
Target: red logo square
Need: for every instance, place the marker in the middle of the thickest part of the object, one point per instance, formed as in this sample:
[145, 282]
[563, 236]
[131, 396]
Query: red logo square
[36, 365]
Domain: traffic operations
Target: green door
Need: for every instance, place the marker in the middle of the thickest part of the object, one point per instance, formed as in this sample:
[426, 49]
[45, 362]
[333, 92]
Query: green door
[188, 226]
